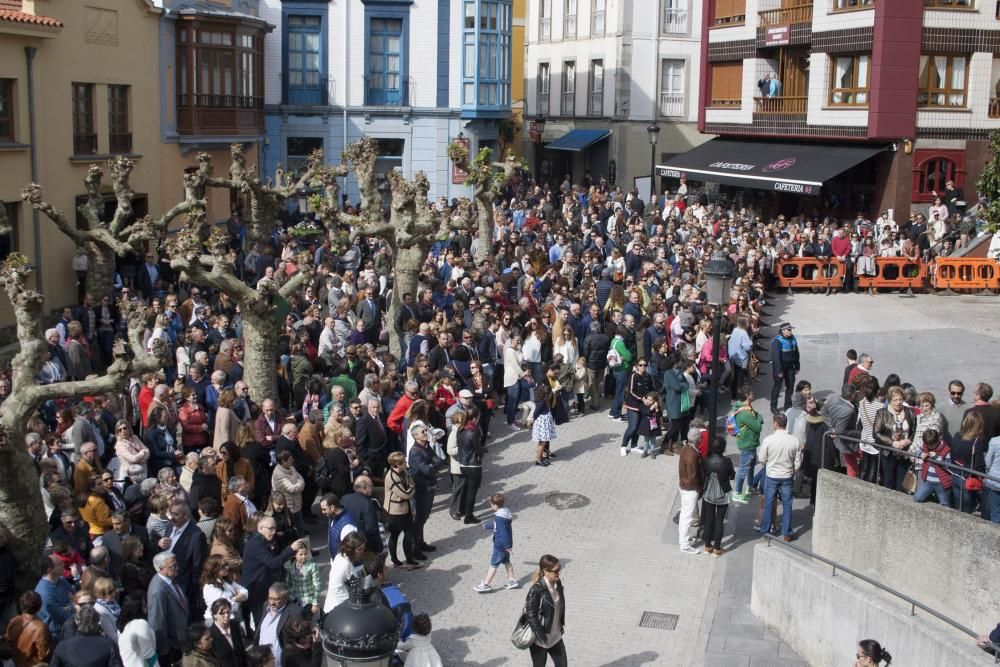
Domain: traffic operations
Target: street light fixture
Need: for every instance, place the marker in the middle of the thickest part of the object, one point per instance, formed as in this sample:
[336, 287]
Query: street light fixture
[654, 133]
[719, 277]
[360, 631]
[303, 202]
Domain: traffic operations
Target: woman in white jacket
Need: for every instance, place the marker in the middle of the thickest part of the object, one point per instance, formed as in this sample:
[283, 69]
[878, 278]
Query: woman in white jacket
[347, 564]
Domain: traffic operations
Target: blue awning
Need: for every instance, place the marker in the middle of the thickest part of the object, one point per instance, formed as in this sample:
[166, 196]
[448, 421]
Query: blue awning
[578, 140]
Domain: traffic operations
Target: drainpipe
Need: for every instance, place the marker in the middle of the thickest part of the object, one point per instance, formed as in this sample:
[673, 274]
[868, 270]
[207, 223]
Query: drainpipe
[347, 82]
[29, 57]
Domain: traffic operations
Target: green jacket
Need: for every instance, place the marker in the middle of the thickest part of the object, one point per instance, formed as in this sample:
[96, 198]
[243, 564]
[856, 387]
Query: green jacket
[619, 345]
[750, 423]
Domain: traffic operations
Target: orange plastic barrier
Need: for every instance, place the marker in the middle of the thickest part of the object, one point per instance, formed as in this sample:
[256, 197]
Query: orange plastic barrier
[896, 273]
[809, 272]
[966, 273]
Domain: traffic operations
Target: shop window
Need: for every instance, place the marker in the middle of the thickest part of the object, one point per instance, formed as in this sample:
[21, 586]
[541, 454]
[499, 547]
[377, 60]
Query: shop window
[6, 110]
[932, 169]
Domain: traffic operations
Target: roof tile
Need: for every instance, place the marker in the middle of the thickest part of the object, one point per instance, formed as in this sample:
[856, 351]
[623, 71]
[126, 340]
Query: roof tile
[24, 17]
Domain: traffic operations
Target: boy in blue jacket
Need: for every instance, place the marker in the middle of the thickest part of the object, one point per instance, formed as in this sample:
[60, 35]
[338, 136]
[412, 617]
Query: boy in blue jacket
[503, 544]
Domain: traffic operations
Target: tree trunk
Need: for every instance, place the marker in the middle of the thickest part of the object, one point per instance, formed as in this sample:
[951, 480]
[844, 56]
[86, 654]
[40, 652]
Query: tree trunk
[407, 277]
[21, 508]
[100, 271]
[484, 220]
[260, 349]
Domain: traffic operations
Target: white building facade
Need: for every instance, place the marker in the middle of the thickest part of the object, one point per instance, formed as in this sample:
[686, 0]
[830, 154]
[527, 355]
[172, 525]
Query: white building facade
[412, 74]
[614, 66]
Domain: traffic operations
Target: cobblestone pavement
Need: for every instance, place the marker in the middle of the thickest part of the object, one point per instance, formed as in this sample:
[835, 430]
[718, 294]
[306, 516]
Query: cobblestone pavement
[619, 552]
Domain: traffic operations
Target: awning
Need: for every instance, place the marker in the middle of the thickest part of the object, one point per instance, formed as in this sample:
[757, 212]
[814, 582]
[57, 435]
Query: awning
[798, 168]
[578, 140]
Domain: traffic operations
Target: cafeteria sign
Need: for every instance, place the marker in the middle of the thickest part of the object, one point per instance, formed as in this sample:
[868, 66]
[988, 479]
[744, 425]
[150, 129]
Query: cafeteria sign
[778, 35]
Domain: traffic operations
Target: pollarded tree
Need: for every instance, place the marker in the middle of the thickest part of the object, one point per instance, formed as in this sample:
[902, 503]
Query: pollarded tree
[413, 224]
[105, 239]
[201, 251]
[21, 508]
[488, 180]
[989, 186]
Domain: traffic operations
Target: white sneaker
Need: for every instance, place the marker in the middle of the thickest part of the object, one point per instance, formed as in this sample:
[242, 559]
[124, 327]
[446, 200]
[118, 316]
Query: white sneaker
[511, 583]
[482, 587]
[624, 451]
[688, 549]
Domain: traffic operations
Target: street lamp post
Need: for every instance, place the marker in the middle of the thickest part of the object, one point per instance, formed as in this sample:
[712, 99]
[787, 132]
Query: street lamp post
[654, 133]
[540, 128]
[719, 276]
[360, 631]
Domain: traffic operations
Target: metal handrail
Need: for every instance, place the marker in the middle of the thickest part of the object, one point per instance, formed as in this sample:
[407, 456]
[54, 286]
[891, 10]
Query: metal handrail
[914, 604]
[830, 435]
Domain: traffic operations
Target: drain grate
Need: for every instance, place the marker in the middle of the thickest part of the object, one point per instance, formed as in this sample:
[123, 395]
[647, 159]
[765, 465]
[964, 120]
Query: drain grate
[658, 621]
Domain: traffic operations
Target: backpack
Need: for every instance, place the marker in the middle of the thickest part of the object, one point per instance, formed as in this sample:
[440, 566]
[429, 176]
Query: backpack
[614, 359]
[732, 428]
[713, 493]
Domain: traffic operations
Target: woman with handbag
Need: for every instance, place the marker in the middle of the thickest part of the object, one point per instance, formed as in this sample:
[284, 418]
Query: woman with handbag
[545, 613]
[398, 492]
[968, 450]
[894, 427]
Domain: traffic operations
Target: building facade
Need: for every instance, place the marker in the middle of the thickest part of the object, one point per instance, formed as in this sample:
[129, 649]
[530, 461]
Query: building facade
[414, 75]
[913, 84]
[78, 84]
[612, 69]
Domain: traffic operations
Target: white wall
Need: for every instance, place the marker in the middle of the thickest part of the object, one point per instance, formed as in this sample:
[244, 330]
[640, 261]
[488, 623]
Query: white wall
[825, 19]
[820, 113]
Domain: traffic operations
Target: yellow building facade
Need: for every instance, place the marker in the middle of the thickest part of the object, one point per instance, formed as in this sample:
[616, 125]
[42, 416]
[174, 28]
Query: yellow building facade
[517, 46]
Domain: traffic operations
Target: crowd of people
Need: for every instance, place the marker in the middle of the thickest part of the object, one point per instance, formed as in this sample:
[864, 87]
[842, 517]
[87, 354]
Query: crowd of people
[180, 508]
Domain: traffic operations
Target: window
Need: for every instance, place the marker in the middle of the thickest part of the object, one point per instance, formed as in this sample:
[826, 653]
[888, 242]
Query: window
[385, 59]
[932, 169]
[84, 136]
[729, 12]
[544, 20]
[8, 242]
[486, 54]
[298, 149]
[849, 80]
[597, 22]
[542, 107]
[569, 19]
[305, 66]
[569, 88]
[949, 4]
[943, 81]
[390, 157]
[727, 84]
[119, 134]
[596, 88]
[672, 88]
[849, 5]
[214, 84]
[6, 110]
[675, 17]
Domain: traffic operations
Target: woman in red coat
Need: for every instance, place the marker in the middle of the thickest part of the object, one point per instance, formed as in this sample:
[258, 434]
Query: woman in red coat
[193, 420]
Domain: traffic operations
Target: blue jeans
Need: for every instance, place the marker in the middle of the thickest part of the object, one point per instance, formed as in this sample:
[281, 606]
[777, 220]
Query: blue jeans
[925, 489]
[513, 393]
[748, 459]
[772, 487]
[991, 499]
[962, 500]
[621, 376]
[631, 437]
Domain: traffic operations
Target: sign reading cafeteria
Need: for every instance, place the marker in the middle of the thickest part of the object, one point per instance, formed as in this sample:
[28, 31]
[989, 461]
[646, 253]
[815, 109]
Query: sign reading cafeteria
[778, 35]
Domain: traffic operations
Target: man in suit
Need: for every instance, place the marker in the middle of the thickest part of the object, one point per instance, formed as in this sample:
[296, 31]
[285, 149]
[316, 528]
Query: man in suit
[167, 608]
[267, 427]
[371, 439]
[262, 564]
[87, 316]
[368, 312]
[275, 615]
[361, 506]
[149, 273]
[439, 357]
[404, 315]
[190, 548]
[122, 527]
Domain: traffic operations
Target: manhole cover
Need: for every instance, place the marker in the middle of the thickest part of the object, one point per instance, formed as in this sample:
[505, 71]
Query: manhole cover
[658, 621]
[567, 501]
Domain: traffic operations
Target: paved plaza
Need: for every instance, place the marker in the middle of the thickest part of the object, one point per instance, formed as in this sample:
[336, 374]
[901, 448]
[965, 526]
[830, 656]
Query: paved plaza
[619, 550]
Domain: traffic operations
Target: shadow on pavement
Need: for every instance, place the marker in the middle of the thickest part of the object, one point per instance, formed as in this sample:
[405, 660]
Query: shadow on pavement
[634, 659]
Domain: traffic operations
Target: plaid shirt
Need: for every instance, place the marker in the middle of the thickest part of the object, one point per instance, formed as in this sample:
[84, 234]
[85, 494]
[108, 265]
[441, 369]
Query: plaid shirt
[303, 584]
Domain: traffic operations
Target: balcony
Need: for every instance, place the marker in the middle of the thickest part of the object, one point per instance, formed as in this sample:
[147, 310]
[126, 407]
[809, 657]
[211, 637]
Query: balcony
[786, 15]
[84, 144]
[569, 26]
[675, 21]
[543, 104]
[596, 105]
[671, 104]
[377, 94]
[219, 114]
[780, 106]
[733, 103]
[995, 108]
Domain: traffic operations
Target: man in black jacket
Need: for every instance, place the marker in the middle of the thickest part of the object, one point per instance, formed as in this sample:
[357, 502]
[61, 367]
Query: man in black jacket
[362, 508]
[595, 351]
[371, 437]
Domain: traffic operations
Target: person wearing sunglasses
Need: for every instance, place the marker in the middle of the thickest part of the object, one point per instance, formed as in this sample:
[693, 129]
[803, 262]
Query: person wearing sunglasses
[639, 384]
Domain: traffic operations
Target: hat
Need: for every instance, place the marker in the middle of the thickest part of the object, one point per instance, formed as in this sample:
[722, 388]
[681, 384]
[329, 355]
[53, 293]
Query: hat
[785, 325]
[465, 393]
